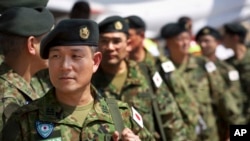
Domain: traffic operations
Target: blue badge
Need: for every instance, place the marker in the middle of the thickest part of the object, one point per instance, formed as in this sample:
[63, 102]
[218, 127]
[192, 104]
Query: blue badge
[44, 129]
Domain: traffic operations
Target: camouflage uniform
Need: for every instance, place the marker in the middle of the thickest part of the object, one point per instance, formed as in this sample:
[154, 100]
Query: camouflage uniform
[198, 84]
[40, 82]
[98, 125]
[183, 96]
[136, 93]
[216, 102]
[15, 92]
[243, 67]
[231, 77]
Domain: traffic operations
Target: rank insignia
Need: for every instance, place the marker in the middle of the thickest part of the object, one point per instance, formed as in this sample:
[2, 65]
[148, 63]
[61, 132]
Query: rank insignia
[118, 25]
[44, 129]
[84, 33]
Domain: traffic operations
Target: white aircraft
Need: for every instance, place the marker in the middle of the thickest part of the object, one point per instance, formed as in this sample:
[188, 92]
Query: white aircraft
[156, 13]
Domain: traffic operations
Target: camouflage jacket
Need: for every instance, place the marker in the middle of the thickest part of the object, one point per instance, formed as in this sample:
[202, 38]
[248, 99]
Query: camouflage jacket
[40, 82]
[14, 92]
[183, 96]
[136, 93]
[198, 82]
[243, 67]
[232, 79]
[161, 90]
[44, 119]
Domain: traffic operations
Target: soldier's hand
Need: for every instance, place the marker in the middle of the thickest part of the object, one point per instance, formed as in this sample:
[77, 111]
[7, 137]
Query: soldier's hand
[126, 135]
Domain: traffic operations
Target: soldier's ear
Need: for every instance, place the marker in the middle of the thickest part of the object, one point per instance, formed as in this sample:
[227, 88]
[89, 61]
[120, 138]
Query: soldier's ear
[97, 58]
[32, 45]
[129, 47]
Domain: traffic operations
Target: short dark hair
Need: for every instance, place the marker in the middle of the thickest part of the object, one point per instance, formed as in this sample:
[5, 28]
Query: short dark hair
[184, 19]
[14, 44]
[80, 10]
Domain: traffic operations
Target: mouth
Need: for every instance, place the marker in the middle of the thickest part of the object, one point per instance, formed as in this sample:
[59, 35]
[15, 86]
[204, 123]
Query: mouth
[66, 78]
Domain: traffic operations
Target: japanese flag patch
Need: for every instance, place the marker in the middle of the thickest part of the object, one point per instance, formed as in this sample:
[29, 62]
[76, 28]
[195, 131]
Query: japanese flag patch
[168, 66]
[210, 67]
[137, 117]
[233, 75]
[157, 79]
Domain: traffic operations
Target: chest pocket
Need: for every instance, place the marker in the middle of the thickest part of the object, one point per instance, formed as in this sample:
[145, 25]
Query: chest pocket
[98, 132]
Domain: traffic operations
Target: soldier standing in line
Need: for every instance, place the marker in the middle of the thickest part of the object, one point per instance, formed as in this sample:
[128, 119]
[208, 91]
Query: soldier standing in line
[21, 33]
[122, 78]
[73, 110]
[205, 82]
[168, 82]
[209, 38]
[234, 37]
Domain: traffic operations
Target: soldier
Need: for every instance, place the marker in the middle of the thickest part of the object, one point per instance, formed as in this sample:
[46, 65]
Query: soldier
[21, 33]
[209, 38]
[205, 82]
[122, 78]
[234, 38]
[169, 82]
[73, 110]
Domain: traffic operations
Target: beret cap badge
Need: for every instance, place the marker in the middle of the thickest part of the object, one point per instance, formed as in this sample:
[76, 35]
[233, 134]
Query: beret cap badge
[84, 32]
[118, 25]
[206, 31]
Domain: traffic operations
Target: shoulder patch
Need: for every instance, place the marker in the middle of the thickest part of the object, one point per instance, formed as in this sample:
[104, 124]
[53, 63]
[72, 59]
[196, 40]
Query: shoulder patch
[137, 117]
[168, 66]
[210, 66]
[233, 75]
[157, 79]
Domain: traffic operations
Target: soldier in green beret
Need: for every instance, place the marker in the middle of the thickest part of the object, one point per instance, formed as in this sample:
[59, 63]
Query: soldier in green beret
[20, 34]
[168, 83]
[74, 110]
[209, 38]
[122, 79]
[234, 37]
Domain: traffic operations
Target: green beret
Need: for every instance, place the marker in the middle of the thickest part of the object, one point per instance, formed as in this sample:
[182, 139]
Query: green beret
[71, 32]
[235, 28]
[6, 4]
[135, 22]
[113, 24]
[26, 21]
[207, 30]
[172, 29]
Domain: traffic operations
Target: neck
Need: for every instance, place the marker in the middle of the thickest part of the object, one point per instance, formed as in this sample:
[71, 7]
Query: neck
[178, 59]
[137, 55]
[21, 66]
[77, 98]
[240, 51]
[114, 69]
[212, 57]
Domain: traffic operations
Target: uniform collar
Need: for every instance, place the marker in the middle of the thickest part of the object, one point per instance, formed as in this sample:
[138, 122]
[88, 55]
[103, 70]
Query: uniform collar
[132, 78]
[50, 110]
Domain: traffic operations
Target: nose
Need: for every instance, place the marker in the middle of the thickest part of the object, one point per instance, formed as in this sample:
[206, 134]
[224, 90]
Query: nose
[110, 46]
[66, 63]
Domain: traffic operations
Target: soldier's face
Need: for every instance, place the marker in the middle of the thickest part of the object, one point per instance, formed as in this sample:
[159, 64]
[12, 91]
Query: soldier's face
[179, 44]
[114, 47]
[136, 39]
[71, 67]
[208, 45]
[228, 40]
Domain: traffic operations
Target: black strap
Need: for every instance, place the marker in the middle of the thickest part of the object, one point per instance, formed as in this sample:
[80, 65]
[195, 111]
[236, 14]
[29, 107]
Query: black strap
[115, 114]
